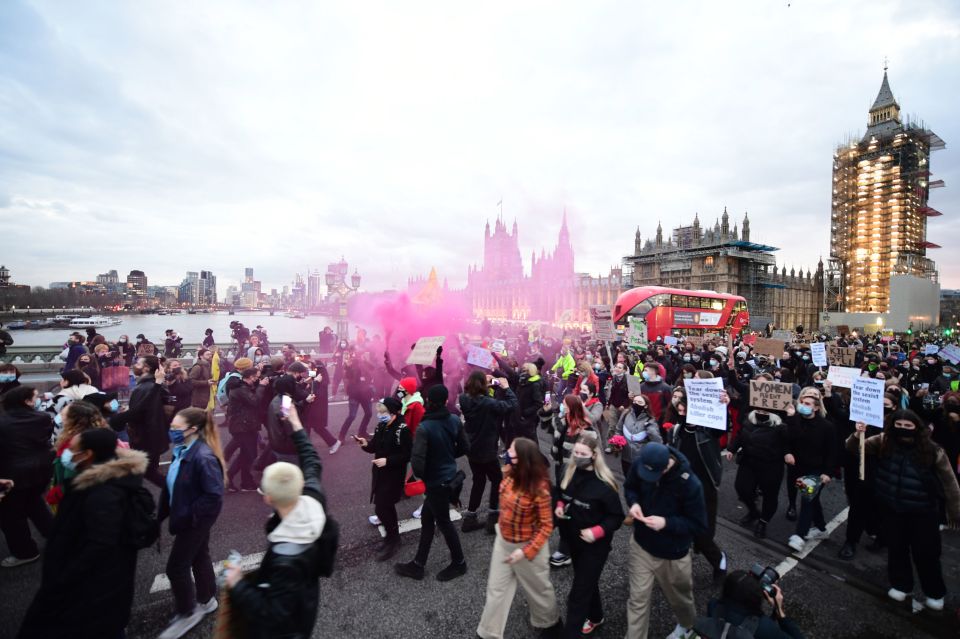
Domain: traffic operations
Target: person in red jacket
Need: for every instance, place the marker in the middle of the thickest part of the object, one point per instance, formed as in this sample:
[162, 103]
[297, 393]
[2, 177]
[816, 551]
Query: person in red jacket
[412, 403]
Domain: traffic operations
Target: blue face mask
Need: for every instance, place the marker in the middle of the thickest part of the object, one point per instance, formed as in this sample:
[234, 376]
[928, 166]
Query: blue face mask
[383, 419]
[804, 410]
[66, 460]
[114, 405]
[58, 420]
[506, 459]
[177, 437]
[6, 378]
[37, 403]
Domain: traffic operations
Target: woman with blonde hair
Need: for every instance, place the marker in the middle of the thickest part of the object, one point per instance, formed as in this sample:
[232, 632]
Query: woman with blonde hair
[589, 512]
[192, 497]
[569, 422]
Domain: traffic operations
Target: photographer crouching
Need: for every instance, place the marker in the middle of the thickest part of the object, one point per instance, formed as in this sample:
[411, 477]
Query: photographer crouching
[739, 611]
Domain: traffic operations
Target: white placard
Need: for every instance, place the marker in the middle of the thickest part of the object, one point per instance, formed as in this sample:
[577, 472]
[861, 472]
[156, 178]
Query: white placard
[818, 353]
[866, 401]
[951, 352]
[481, 357]
[784, 335]
[637, 335]
[842, 376]
[704, 407]
[931, 349]
[670, 340]
[425, 351]
[498, 346]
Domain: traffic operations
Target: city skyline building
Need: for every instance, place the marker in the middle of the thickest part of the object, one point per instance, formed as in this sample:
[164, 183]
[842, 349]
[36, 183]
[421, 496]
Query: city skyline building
[879, 211]
[137, 286]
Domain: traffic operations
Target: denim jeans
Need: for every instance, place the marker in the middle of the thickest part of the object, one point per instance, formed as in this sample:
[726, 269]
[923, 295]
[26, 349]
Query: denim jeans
[354, 405]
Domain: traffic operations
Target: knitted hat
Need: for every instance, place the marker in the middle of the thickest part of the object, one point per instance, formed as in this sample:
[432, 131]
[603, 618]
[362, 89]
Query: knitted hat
[392, 404]
[409, 384]
[438, 395]
[243, 363]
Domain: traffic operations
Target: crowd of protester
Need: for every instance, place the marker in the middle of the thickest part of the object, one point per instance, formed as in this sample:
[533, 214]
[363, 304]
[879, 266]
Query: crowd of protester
[85, 447]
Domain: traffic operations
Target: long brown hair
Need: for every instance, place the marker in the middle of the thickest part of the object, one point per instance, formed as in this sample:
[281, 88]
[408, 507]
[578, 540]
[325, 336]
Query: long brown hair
[202, 420]
[576, 417]
[80, 416]
[476, 384]
[529, 472]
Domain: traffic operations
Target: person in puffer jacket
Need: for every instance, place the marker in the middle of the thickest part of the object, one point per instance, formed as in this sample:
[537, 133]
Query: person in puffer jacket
[638, 426]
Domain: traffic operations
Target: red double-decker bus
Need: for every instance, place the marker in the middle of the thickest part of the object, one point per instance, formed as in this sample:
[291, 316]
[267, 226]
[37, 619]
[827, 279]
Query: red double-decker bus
[669, 311]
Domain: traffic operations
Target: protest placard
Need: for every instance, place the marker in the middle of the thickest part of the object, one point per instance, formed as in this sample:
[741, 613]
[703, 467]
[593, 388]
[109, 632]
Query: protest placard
[670, 340]
[711, 337]
[750, 339]
[843, 329]
[950, 352]
[771, 347]
[634, 385]
[425, 351]
[601, 319]
[704, 407]
[782, 335]
[770, 395]
[637, 334]
[818, 353]
[481, 357]
[841, 355]
[931, 349]
[842, 376]
[497, 346]
[694, 340]
[866, 401]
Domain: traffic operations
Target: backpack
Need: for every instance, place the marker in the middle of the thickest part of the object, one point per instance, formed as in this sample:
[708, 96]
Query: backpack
[142, 529]
[716, 627]
[222, 398]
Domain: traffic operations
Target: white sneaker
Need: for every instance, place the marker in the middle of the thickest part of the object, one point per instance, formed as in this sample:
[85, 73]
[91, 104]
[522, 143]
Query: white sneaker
[897, 595]
[934, 604]
[13, 562]
[796, 542]
[181, 625]
[679, 632]
[210, 606]
[816, 533]
[374, 520]
[335, 447]
[416, 513]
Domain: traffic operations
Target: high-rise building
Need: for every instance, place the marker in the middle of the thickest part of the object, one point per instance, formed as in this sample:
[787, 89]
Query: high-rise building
[137, 285]
[879, 214]
[248, 275]
[207, 289]
[109, 278]
[314, 283]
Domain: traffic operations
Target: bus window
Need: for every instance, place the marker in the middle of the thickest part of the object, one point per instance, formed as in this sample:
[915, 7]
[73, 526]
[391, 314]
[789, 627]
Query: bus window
[717, 305]
[706, 303]
[679, 301]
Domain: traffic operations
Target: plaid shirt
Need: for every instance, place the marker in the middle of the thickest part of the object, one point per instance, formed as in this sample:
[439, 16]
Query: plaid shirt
[525, 518]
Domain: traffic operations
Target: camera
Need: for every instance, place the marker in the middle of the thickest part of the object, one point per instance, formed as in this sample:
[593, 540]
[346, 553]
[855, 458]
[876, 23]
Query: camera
[931, 401]
[767, 577]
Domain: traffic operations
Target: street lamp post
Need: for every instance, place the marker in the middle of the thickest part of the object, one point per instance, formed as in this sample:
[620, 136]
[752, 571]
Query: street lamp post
[336, 278]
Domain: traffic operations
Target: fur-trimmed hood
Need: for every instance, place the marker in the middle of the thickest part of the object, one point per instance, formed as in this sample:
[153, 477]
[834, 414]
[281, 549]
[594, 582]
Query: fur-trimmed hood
[774, 419]
[128, 462]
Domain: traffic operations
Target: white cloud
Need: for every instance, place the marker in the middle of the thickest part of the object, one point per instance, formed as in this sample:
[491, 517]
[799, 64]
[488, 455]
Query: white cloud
[176, 136]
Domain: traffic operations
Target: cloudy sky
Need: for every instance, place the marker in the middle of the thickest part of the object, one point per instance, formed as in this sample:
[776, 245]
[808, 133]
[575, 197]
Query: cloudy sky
[174, 136]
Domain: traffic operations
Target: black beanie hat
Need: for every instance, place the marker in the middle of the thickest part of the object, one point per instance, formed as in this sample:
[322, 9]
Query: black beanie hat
[392, 404]
[437, 395]
[102, 442]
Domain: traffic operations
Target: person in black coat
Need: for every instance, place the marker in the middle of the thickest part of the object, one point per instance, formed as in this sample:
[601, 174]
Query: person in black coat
[760, 446]
[145, 419]
[280, 598]
[245, 415]
[391, 446]
[26, 457]
[87, 586]
[481, 414]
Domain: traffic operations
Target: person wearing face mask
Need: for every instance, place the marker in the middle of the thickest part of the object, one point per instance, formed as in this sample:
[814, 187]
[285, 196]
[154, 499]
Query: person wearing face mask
[74, 385]
[26, 458]
[656, 391]
[145, 420]
[145, 347]
[760, 446]
[9, 378]
[246, 413]
[588, 512]
[191, 499]
[125, 351]
[201, 379]
[811, 448]
[179, 388]
[948, 381]
[666, 502]
[90, 366]
[592, 407]
[639, 428]
[864, 513]
[87, 584]
[914, 482]
[521, 550]
[946, 426]
[391, 446]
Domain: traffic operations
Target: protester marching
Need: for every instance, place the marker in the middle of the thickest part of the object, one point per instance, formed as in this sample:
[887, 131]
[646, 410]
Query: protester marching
[569, 442]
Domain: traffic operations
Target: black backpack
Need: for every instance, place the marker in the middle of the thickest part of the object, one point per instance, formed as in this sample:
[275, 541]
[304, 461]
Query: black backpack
[142, 529]
[716, 627]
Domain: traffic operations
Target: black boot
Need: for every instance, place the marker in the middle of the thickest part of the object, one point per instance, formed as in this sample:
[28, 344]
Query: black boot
[792, 513]
[389, 548]
[553, 632]
[848, 551]
[492, 518]
[748, 519]
[470, 522]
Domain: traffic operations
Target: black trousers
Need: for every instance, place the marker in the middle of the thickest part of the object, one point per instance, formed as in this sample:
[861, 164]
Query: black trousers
[243, 464]
[191, 554]
[704, 543]
[914, 536]
[792, 475]
[19, 506]
[584, 601]
[386, 510]
[864, 516]
[436, 514]
[766, 477]
[481, 472]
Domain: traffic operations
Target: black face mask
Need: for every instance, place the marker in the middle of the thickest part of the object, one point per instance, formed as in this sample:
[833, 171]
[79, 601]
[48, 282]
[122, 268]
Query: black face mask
[637, 410]
[763, 418]
[904, 437]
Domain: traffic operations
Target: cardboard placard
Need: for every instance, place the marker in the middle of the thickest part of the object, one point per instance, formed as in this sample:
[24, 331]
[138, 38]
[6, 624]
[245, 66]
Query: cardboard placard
[695, 340]
[818, 353]
[481, 357]
[866, 401]
[842, 376]
[843, 329]
[841, 355]
[425, 351]
[634, 385]
[782, 335]
[771, 347]
[704, 407]
[670, 340]
[710, 337]
[770, 395]
[637, 333]
[601, 318]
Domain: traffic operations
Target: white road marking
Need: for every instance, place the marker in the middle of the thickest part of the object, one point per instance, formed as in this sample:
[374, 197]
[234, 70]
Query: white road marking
[408, 525]
[791, 562]
[248, 563]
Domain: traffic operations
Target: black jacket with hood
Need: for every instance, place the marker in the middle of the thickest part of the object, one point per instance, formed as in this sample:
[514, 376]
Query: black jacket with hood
[482, 414]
